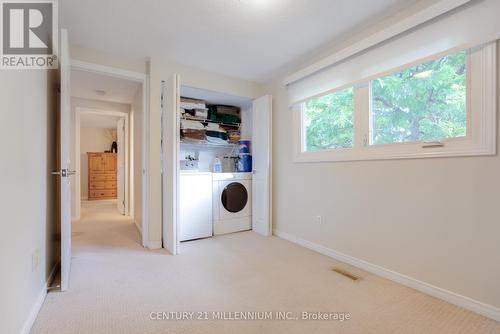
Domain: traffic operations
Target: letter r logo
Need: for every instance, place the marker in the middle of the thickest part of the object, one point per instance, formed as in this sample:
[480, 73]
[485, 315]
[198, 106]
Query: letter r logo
[27, 28]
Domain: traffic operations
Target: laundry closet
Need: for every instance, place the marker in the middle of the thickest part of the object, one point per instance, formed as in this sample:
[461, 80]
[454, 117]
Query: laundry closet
[215, 159]
[222, 170]
[215, 163]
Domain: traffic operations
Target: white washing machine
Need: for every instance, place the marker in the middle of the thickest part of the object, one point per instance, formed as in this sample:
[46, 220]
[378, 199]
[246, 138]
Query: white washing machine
[232, 202]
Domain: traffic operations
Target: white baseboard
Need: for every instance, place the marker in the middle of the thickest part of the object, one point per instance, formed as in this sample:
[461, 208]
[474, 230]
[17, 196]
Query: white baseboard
[28, 324]
[139, 227]
[448, 296]
[155, 245]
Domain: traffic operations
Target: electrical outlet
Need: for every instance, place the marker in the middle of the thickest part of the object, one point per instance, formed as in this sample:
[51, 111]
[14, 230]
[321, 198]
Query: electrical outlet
[35, 259]
[319, 220]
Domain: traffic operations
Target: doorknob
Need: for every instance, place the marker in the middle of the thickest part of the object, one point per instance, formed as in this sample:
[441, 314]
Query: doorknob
[64, 172]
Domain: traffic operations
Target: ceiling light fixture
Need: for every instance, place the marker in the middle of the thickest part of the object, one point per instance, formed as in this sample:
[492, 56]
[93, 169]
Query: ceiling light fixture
[257, 2]
[100, 92]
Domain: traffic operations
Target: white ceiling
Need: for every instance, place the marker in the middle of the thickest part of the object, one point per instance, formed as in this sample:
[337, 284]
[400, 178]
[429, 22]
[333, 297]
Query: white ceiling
[98, 121]
[248, 39]
[85, 84]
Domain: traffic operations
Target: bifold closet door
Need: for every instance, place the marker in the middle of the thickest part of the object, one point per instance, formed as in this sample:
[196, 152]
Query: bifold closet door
[261, 156]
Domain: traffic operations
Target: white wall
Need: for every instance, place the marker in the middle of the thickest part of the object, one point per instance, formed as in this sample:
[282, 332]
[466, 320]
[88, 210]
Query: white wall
[434, 220]
[29, 104]
[136, 125]
[206, 156]
[92, 140]
[94, 105]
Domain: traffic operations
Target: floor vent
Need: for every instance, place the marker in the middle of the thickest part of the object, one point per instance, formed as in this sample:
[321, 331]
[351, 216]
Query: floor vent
[346, 274]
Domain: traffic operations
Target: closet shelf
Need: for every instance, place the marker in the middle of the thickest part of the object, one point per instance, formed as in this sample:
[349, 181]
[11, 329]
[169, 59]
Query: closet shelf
[207, 145]
[234, 125]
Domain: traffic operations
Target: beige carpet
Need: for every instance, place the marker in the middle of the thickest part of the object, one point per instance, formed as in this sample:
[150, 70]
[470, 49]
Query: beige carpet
[116, 284]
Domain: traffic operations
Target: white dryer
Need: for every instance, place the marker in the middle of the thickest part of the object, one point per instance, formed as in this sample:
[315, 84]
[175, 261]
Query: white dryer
[232, 207]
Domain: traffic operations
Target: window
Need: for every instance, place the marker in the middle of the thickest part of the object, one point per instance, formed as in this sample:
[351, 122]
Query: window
[328, 121]
[441, 106]
[422, 103]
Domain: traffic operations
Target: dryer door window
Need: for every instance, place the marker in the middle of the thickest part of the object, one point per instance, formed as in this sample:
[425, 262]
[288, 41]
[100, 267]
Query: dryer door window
[234, 197]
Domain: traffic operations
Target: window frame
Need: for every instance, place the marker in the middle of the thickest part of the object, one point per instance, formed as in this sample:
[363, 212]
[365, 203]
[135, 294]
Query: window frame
[480, 138]
[303, 125]
[467, 101]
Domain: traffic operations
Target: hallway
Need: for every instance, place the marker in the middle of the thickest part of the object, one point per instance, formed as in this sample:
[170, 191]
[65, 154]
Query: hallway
[116, 286]
[101, 229]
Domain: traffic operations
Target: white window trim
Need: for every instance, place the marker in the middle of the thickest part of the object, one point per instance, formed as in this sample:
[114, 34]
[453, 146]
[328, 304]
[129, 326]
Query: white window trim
[481, 126]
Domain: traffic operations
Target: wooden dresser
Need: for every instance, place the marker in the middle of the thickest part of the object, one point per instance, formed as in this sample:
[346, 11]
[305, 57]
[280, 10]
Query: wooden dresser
[102, 175]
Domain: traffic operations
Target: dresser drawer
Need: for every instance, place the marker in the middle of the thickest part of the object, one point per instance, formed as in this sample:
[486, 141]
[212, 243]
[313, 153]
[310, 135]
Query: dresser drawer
[97, 185]
[110, 185]
[97, 177]
[96, 194]
[110, 177]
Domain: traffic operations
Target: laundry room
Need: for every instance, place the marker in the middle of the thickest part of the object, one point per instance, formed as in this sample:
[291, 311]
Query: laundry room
[215, 164]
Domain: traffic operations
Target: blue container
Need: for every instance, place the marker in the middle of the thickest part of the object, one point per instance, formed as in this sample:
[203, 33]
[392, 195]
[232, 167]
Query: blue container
[245, 163]
[244, 146]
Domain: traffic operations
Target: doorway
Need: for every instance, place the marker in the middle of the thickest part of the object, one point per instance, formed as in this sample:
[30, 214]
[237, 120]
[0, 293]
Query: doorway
[109, 108]
[102, 150]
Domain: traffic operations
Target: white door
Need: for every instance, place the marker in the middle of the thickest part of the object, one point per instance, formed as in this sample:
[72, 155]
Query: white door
[65, 171]
[170, 162]
[120, 170]
[261, 160]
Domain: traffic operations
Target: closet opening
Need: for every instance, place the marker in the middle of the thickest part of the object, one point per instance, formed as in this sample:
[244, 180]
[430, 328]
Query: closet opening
[216, 154]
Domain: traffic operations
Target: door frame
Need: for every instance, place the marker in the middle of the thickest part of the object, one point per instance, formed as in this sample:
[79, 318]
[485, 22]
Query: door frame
[170, 166]
[143, 79]
[79, 111]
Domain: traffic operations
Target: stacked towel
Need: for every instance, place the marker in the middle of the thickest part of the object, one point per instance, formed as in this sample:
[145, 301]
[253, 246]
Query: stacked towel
[192, 130]
[191, 104]
[190, 124]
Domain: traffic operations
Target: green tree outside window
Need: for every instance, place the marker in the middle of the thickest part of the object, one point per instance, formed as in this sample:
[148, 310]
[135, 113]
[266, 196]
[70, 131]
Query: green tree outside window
[422, 103]
[328, 121]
